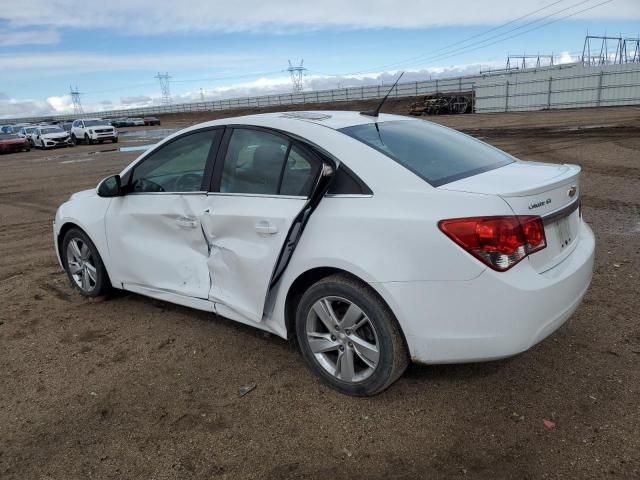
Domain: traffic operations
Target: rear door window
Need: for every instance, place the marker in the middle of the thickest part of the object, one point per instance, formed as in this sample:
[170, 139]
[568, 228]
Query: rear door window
[262, 163]
[437, 154]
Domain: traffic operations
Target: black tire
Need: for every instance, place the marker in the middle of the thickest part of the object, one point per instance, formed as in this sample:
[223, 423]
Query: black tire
[101, 285]
[114, 140]
[74, 140]
[87, 139]
[393, 355]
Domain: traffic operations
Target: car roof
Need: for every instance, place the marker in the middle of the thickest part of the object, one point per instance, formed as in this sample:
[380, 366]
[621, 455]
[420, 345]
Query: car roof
[334, 119]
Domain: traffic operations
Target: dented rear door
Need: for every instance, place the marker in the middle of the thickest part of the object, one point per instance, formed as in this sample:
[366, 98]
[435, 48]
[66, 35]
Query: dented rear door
[264, 189]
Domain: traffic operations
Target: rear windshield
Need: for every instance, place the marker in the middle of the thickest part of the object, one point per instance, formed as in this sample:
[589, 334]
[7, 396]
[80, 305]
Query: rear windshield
[436, 154]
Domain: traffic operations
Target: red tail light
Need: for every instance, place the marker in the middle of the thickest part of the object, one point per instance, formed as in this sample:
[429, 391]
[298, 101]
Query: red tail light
[500, 242]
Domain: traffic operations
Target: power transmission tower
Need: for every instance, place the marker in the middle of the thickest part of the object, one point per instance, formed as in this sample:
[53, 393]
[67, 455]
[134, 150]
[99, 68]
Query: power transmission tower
[75, 98]
[296, 72]
[515, 62]
[631, 50]
[163, 78]
[610, 50]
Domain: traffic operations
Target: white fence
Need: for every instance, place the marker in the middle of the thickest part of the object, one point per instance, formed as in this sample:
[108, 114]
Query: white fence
[562, 86]
[580, 87]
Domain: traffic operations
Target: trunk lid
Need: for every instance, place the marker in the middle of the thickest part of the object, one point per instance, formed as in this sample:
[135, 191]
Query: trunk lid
[547, 190]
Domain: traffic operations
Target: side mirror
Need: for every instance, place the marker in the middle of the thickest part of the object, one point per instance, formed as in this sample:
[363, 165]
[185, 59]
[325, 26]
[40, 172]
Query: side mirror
[110, 187]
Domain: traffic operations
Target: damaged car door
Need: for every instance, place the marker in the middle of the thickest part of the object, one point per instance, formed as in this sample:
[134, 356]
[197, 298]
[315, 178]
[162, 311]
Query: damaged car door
[154, 231]
[263, 186]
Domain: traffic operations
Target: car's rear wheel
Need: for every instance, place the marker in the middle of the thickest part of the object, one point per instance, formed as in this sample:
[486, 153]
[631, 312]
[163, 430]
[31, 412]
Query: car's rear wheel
[349, 337]
[83, 264]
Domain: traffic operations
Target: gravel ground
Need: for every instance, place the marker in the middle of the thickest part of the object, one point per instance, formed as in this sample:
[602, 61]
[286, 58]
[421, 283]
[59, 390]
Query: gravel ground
[131, 387]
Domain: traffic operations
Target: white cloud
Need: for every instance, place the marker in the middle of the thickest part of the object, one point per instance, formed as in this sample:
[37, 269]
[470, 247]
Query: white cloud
[30, 37]
[11, 108]
[82, 62]
[141, 17]
[136, 100]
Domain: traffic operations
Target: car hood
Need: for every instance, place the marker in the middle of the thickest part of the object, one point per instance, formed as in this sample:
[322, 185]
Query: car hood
[11, 141]
[84, 194]
[55, 135]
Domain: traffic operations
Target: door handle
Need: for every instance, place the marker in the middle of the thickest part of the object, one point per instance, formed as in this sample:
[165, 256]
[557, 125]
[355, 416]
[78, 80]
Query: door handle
[265, 228]
[187, 222]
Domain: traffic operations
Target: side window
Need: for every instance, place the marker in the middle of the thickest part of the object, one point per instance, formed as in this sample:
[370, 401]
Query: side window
[178, 166]
[299, 174]
[263, 163]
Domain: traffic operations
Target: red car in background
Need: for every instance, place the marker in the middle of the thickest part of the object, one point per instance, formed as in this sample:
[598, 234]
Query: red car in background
[151, 121]
[13, 143]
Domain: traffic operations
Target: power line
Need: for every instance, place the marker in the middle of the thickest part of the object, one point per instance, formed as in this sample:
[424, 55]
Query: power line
[449, 51]
[481, 34]
[537, 27]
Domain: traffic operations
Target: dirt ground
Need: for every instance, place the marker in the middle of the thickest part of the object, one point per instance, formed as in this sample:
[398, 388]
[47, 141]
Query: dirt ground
[131, 387]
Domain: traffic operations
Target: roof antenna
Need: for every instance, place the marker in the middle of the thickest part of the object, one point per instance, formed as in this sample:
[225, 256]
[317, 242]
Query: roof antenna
[376, 112]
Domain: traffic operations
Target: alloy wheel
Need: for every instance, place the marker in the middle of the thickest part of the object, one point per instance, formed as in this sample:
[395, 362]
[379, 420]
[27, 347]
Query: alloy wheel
[81, 265]
[343, 339]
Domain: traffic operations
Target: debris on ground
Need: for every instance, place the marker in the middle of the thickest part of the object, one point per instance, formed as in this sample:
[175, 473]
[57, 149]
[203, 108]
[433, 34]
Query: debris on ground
[246, 389]
[548, 424]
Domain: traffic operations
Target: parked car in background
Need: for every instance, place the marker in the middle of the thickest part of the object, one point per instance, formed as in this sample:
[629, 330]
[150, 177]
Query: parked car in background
[26, 132]
[50, 137]
[13, 143]
[121, 122]
[374, 240]
[151, 121]
[92, 130]
[66, 126]
[137, 122]
[6, 129]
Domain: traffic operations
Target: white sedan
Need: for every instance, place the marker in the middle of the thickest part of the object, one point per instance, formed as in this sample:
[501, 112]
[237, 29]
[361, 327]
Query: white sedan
[50, 137]
[372, 240]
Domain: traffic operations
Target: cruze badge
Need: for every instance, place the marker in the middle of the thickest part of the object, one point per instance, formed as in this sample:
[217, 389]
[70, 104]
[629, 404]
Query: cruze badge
[572, 191]
[540, 204]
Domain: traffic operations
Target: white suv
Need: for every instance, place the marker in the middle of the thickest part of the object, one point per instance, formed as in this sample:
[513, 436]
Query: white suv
[93, 130]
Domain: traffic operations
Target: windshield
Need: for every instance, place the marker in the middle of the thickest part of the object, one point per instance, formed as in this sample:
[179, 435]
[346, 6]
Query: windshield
[93, 123]
[436, 154]
[29, 129]
[44, 131]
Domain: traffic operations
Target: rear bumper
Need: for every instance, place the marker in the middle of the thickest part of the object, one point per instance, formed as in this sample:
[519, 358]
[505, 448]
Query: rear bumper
[493, 316]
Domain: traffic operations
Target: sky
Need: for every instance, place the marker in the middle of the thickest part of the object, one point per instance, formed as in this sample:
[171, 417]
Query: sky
[112, 50]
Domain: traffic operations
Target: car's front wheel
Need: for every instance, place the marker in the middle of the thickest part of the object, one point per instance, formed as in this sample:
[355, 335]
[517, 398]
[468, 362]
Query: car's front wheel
[74, 140]
[83, 264]
[349, 337]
